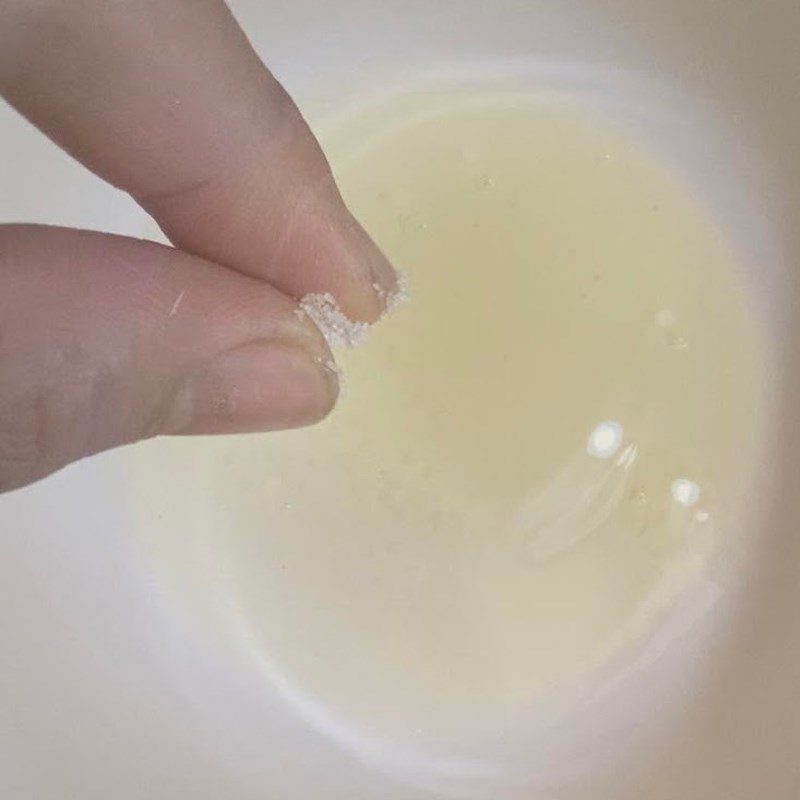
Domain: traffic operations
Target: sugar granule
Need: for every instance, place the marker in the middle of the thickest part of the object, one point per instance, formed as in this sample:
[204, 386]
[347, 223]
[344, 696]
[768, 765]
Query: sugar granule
[399, 297]
[337, 328]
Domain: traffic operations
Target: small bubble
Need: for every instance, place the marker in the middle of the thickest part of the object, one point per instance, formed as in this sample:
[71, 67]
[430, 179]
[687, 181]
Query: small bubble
[638, 496]
[702, 517]
[685, 492]
[676, 341]
[667, 321]
[484, 181]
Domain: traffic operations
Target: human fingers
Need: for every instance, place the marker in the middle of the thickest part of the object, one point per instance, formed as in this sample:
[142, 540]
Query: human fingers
[167, 100]
[105, 340]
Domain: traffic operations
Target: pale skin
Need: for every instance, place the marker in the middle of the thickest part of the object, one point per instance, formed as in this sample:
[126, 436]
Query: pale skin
[106, 340]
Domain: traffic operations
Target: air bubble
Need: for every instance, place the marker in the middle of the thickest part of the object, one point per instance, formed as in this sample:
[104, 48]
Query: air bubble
[685, 492]
[667, 322]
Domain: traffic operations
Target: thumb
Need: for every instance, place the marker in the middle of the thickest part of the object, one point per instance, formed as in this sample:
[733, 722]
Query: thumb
[105, 340]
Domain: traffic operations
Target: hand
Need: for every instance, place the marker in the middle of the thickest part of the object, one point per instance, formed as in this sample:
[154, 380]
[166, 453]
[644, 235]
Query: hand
[106, 340]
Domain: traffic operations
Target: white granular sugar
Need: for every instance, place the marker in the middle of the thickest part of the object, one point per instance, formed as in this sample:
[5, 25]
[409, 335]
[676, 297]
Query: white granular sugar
[399, 296]
[338, 329]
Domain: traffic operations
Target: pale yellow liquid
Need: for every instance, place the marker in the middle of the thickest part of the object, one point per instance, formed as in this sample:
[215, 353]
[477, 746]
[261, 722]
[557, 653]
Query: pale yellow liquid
[444, 550]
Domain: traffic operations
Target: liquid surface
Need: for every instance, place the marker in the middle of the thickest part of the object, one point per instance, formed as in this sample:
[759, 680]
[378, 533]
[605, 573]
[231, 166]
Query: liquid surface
[530, 460]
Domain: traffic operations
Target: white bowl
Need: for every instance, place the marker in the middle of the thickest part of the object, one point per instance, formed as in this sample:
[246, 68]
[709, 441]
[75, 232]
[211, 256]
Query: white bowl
[112, 687]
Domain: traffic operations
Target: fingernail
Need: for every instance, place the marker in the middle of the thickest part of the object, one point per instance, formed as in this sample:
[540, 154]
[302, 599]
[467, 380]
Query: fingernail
[385, 278]
[258, 386]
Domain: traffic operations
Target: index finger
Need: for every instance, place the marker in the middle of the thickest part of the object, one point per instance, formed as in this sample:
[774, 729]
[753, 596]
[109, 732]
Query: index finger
[167, 100]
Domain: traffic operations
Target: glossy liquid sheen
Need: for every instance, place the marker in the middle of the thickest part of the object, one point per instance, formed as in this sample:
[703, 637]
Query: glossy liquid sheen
[530, 461]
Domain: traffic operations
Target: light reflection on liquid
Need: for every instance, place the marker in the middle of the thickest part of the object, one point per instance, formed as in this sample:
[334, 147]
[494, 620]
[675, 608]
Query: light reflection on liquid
[589, 494]
[605, 440]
